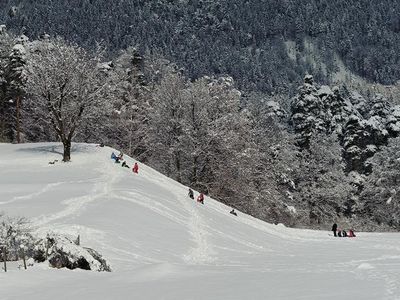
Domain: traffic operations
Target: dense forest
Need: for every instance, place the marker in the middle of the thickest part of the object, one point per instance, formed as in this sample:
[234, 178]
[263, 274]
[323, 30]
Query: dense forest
[247, 40]
[218, 95]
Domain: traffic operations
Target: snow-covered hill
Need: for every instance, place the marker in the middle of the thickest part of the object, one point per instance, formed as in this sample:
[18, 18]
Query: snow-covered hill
[163, 245]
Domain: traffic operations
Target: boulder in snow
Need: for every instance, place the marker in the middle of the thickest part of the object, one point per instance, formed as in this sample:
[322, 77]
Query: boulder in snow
[64, 253]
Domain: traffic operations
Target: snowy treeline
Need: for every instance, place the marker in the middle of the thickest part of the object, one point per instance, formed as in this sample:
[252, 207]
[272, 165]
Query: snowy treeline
[304, 165]
[362, 128]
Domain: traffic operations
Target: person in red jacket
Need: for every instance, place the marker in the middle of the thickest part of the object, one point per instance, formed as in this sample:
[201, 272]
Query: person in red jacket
[200, 198]
[351, 233]
[135, 168]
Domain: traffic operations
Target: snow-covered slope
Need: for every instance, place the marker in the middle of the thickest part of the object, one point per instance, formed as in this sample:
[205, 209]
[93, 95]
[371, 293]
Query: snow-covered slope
[163, 245]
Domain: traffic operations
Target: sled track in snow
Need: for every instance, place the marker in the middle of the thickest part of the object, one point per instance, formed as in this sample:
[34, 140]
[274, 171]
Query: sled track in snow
[45, 189]
[202, 252]
[75, 206]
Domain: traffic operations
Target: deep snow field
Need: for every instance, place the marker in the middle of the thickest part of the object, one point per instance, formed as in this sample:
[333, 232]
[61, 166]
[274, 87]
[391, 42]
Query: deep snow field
[163, 245]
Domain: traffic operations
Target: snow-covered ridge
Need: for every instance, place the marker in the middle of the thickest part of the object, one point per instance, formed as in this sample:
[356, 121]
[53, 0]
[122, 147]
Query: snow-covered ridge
[163, 245]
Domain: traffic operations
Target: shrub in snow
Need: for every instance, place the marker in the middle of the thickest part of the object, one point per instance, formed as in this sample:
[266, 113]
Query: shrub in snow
[14, 233]
[64, 253]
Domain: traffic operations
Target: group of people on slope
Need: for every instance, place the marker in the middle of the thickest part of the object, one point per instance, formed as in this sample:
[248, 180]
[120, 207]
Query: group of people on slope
[200, 199]
[342, 233]
[120, 158]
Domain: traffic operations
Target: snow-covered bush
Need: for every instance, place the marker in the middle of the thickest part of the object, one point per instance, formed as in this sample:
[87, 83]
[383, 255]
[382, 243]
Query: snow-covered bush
[14, 235]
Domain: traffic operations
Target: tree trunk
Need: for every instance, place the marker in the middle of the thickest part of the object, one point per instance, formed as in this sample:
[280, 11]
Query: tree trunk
[18, 121]
[178, 167]
[23, 258]
[67, 151]
[5, 259]
[2, 124]
[46, 255]
[194, 170]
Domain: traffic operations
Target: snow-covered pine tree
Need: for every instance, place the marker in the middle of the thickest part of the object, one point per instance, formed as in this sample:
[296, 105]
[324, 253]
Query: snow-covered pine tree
[16, 77]
[380, 199]
[355, 143]
[6, 115]
[393, 121]
[363, 137]
[308, 113]
[359, 103]
[340, 109]
[376, 124]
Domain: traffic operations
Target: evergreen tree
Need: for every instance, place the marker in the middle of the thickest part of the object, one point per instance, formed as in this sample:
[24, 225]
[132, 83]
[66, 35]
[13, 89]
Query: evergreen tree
[380, 199]
[16, 78]
[308, 116]
[6, 116]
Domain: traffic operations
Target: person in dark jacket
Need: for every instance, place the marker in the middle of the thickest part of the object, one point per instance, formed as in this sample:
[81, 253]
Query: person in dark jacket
[124, 164]
[344, 233]
[191, 195]
[339, 233]
[233, 212]
[334, 229]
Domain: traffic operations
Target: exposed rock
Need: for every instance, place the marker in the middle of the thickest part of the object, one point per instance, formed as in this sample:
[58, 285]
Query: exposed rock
[64, 253]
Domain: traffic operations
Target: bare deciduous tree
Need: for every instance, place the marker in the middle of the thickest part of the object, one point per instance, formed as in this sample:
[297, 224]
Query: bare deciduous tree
[65, 84]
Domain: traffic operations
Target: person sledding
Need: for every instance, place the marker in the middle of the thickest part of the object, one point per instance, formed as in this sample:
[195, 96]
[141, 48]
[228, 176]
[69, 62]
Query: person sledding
[233, 212]
[114, 157]
[124, 164]
[200, 198]
[121, 156]
[135, 168]
[191, 195]
[351, 233]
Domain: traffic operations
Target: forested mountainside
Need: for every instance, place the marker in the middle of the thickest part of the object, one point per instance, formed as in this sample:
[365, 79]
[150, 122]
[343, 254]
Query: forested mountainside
[263, 44]
[203, 98]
